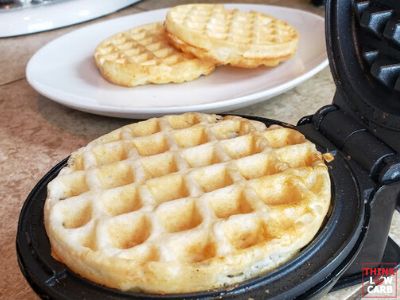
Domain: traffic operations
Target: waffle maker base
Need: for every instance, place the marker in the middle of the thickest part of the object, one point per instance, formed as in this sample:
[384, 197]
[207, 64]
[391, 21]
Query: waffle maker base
[313, 272]
[363, 45]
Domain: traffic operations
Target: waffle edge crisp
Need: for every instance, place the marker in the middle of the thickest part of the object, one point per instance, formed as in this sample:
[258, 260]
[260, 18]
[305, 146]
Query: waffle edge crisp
[186, 203]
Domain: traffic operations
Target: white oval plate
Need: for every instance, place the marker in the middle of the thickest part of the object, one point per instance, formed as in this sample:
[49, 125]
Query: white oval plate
[64, 71]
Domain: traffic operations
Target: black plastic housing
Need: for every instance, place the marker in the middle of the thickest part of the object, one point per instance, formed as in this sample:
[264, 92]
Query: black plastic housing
[363, 44]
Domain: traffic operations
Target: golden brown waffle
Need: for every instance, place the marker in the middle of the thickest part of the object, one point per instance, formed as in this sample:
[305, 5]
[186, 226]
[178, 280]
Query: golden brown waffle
[186, 203]
[243, 39]
[143, 55]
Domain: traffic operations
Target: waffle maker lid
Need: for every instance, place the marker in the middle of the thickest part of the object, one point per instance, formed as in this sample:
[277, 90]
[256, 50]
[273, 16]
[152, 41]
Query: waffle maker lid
[363, 45]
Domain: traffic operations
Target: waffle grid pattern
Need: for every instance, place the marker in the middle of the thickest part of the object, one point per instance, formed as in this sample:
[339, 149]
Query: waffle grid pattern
[142, 45]
[234, 26]
[378, 36]
[143, 55]
[243, 39]
[194, 187]
[190, 191]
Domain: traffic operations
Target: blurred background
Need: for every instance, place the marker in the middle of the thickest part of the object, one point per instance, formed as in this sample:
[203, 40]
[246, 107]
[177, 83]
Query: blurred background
[29, 16]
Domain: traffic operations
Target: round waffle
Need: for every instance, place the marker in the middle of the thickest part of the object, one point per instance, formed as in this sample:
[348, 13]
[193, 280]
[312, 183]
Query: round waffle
[143, 55]
[243, 39]
[186, 203]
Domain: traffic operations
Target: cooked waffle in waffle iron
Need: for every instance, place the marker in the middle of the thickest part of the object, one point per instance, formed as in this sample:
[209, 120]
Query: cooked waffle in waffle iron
[186, 203]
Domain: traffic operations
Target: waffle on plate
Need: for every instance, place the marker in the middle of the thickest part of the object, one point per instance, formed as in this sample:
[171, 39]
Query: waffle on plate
[143, 55]
[230, 36]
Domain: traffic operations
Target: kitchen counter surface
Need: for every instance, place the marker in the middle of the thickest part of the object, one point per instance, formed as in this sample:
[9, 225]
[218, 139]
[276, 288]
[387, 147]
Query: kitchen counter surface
[36, 133]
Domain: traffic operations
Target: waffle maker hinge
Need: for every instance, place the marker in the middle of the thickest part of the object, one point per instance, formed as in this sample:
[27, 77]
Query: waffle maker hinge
[381, 162]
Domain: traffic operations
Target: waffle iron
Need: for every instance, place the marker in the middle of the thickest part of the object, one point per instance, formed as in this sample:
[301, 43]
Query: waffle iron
[361, 128]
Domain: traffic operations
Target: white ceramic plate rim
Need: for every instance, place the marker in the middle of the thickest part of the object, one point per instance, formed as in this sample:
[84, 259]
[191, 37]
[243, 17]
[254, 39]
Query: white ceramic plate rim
[79, 102]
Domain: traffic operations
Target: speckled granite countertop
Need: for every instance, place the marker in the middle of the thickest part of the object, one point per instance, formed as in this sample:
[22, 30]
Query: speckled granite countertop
[36, 133]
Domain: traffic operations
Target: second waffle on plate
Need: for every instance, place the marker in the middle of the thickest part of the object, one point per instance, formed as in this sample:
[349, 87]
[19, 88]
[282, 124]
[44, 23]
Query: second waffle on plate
[143, 55]
[230, 36]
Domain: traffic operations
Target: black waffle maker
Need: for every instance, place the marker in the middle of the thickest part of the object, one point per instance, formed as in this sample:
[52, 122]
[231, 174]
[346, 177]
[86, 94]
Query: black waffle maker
[361, 129]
